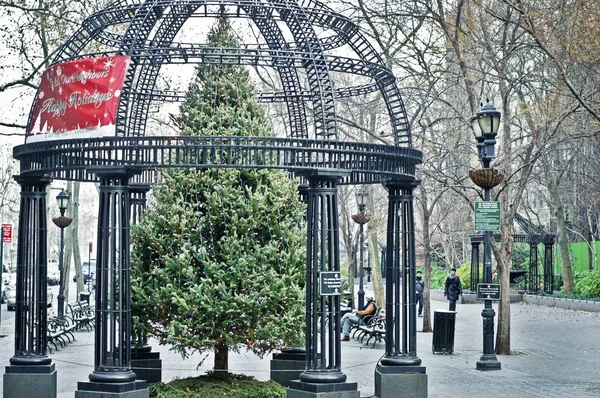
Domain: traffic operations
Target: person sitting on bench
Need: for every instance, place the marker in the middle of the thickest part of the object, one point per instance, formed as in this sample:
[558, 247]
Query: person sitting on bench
[361, 317]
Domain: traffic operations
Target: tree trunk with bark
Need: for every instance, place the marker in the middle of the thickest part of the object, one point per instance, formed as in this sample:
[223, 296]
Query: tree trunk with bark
[504, 259]
[563, 240]
[221, 359]
[503, 265]
[425, 217]
[376, 278]
[74, 233]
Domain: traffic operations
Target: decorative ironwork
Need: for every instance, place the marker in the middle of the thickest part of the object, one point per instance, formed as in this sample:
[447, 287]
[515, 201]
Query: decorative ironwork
[476, 240]
[32, 297]
[158, 22]
[137, 200]
[112, 355]
[400, 312]
[70, 159]
[535, 235]
[323, 316]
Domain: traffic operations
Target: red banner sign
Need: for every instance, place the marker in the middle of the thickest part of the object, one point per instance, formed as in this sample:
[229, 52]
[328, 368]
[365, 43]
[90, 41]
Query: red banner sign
[91, 247]
[7, 233]
[78, 99]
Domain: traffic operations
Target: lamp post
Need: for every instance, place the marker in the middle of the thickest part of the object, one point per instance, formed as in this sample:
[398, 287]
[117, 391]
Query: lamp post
[91, 247]
[62, 222]
[361, 219]
[485, 125]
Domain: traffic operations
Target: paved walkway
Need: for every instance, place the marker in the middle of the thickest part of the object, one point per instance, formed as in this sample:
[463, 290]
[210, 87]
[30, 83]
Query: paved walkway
[556, 354]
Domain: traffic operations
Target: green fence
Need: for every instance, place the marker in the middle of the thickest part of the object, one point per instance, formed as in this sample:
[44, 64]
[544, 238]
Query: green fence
[579, 257]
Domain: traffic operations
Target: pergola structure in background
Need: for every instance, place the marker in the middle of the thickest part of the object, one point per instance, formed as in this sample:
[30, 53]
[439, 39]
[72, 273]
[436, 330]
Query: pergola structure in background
[300, 42]
[534, 235]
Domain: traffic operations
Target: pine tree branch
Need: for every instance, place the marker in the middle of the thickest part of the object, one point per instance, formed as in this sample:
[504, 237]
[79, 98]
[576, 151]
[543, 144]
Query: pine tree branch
[19, 126]
[37, 10]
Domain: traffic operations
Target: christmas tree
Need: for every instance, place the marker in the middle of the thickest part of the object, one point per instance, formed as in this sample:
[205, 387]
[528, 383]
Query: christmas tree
[218, 257]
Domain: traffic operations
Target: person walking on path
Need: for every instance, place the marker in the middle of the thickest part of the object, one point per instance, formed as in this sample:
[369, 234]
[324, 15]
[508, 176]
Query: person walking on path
[453, 289]
[360, 317]
[419, 287]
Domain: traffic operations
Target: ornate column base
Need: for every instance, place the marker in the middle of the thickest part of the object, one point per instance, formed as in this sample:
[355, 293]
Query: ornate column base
[300, 389]
[32, 381]
[133, 389]
[400, 381]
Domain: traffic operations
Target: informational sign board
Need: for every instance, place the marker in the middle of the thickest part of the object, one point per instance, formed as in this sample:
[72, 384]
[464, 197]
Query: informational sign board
[7, 233]
[488, 291]
[487, 216]
[330, 283]
[78, 99]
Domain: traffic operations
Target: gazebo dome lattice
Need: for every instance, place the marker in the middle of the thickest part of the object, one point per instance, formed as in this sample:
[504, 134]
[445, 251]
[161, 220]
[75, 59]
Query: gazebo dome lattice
[303, 59]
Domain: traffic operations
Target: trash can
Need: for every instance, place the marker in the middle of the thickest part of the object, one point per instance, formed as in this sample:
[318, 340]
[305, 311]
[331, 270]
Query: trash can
[443, 331]
[84, 296]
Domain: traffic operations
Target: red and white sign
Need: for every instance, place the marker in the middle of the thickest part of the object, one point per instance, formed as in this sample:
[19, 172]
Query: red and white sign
[7, 233]
[78, 99]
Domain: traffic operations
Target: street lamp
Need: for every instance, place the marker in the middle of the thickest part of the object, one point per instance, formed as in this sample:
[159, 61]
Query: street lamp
[361, 219]
[485, 125]
[62, 222]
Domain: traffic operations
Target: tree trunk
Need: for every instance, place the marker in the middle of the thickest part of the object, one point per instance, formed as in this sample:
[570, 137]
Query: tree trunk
[376, 277]
[503, 269]
[503, 263]
[563, 240]
[427, 326]
[75, 231]
[591, 250]
[221, 359]
[591, 243]
[504, 260]
[347, 239]
[72, 253]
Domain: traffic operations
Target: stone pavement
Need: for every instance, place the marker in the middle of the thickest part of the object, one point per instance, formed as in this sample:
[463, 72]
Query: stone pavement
[556, 354]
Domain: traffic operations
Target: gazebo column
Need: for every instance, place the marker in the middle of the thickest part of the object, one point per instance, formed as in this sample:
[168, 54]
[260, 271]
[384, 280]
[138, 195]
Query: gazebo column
[322, 376]
[112, 354]
[399, 373]
[548, 274]
[31, 373]
[137, 200]
[146, 364]
[534, 279]
[476, 240]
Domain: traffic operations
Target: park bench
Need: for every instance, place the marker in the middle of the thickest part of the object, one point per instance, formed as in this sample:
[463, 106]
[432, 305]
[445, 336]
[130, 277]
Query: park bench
[59, 331]
[83, 315]
[375, 330]
[355, 329]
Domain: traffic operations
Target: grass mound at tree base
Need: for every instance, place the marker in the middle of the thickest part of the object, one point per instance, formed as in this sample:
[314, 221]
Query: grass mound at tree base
[212, 386]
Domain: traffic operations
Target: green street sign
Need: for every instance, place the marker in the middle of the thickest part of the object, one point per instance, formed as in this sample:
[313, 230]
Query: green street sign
[330, 283]
[487, 216]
